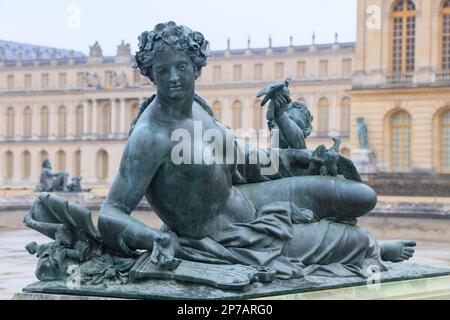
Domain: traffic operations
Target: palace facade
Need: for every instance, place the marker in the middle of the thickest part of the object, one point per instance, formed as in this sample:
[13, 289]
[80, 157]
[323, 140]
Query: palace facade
[76, 109]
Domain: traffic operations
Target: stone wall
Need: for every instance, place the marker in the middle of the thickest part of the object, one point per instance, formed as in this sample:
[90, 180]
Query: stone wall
[410, 184]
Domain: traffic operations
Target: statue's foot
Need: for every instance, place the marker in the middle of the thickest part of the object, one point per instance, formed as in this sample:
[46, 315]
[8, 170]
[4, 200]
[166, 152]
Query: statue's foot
[397, 251]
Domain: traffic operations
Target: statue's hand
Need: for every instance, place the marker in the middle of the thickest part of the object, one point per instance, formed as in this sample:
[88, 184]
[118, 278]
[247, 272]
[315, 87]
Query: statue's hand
[280, 102]
[164, 247]
[317, 160]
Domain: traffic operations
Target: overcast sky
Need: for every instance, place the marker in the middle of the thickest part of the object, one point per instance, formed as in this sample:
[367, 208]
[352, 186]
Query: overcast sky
[58, 24]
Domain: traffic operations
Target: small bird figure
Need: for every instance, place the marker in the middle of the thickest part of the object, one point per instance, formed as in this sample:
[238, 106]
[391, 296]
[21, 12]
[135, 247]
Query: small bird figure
[272, 89]
[330, 160]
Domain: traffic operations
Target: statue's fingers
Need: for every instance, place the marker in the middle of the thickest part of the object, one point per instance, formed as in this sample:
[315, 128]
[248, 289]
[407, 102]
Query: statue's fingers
[409, 250]
[279, 101]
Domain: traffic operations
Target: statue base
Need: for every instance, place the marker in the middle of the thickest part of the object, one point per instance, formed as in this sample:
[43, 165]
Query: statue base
[364, 160]
[401, 281]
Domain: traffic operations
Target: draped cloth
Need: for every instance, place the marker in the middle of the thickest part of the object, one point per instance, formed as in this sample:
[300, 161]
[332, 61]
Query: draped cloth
[283, 237]
[323, 248]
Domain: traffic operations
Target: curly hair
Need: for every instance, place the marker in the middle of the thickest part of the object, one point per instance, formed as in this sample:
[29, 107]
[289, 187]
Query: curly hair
[180, 38]
[299, 113]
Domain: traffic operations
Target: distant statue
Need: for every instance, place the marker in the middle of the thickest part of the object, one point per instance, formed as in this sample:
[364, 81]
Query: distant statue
[362, 134]
[95, 51]
[93, 80]
[75, 185]
[119, 80]
[52, 182]
[58, 182]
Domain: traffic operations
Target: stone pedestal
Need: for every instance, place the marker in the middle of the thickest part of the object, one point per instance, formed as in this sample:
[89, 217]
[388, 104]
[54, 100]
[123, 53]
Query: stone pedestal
[418, 289]
[403, 280]
[364, 160]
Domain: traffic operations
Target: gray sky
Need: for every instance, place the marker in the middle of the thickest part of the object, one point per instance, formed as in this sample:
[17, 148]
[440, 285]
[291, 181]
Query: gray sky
[57, 23]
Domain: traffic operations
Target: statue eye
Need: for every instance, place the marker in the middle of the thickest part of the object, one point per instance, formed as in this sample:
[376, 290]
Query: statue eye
[161, 70]
[182, 66]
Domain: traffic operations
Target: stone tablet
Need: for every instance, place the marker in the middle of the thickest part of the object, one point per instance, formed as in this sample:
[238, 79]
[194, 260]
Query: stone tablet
[226, 277]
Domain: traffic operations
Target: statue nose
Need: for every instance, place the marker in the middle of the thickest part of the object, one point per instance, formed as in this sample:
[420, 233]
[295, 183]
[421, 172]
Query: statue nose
[174, 78]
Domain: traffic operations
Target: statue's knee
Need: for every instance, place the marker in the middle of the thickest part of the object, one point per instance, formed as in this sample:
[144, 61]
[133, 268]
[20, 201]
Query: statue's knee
[368, 198]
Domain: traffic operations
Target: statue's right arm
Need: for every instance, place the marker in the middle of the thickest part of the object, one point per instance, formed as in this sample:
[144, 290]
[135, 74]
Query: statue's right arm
[143, 154]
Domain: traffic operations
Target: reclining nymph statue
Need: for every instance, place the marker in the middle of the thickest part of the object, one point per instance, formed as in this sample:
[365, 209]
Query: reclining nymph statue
[297, 220]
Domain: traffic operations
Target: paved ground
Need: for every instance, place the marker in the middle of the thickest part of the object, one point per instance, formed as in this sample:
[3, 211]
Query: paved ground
[17, 266]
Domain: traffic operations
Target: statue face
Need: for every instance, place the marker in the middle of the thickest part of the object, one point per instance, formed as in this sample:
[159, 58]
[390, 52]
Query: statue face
[174, 74]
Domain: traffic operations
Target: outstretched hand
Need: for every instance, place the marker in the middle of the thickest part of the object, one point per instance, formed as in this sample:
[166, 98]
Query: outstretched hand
[164, 247]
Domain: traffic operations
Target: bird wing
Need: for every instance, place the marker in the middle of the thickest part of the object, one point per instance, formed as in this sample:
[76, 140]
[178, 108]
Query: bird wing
[348, 169]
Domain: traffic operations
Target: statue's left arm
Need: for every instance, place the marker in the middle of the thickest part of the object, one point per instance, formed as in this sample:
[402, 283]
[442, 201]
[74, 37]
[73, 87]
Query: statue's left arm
[253, 165]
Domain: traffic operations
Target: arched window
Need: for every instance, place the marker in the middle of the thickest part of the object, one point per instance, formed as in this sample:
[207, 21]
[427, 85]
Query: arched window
[445, 36]
[44, 121]
[133, 113]
[60, 161]
[10, 122]
[445, 133]
[26, 165]
[27, 122]
[9, 165]
[324, 121]
[403, 37]
[102, 165]
[62, 121]
[217, 109]
[401, 141]
[105, 120]
[236, 115]
[77, 163]
[79, 121]
[345, 117]
[43, 155]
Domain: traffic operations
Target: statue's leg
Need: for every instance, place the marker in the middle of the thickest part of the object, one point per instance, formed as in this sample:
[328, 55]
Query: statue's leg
[327, 197]
[327, 242]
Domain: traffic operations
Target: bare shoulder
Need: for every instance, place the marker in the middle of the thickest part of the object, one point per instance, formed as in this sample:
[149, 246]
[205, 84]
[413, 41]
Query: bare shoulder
[147, 141]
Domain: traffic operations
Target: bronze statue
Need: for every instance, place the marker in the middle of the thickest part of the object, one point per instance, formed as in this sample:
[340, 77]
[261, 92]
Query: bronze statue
[58, 182]
[52, 182]
[362, 134]
[228, 212]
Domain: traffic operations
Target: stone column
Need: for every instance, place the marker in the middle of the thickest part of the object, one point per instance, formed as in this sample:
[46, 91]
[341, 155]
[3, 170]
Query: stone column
[18, 122]
[113, 116]
[35, 167]
[94, 117]
[85, 117]
[3, 109]
[53, 120]
[17, 174]
[122, 116]
[36, 121]
[70, 119]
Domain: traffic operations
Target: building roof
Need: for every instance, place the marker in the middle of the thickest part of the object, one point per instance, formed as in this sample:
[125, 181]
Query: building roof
[11, 51]
[346, 46]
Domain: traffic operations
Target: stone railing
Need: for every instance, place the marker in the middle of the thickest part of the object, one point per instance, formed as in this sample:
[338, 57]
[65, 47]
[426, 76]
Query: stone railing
[399, 78]
[443, 76]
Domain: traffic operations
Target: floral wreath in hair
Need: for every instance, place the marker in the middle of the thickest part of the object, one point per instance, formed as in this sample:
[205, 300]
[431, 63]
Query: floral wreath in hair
[181, 38]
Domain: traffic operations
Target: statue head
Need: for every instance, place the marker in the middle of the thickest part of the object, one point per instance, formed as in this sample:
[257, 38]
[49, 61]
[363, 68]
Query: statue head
[170, 37]
[360, 120]
[298, 112]
[46, 164]
[301, 115]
